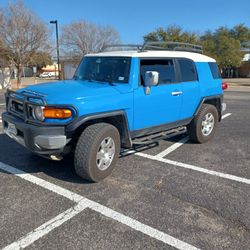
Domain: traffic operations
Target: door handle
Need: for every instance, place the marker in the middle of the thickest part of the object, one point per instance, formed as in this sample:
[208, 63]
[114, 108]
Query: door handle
[176, 93]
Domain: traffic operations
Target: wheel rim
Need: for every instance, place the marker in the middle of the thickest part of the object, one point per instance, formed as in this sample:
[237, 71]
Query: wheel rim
[105, 153]
[207, 124]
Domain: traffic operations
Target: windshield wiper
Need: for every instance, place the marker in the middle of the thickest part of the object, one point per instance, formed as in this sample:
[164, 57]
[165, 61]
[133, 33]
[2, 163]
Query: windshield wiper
[88, 79]
[109, 81]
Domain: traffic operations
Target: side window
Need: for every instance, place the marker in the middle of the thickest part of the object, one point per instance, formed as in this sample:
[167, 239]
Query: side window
[214, 70]
[187, 70]
[164, 67]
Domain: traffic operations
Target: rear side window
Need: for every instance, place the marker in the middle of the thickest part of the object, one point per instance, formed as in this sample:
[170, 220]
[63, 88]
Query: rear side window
[214, 70]
[187, 70]
[164, 67]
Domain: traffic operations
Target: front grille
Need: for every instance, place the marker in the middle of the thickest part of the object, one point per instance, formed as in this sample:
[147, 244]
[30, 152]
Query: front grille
[16, 108]
[20, 105]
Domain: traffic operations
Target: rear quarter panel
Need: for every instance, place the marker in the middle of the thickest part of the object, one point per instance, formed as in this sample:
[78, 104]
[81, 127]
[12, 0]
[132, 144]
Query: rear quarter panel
[208, 85]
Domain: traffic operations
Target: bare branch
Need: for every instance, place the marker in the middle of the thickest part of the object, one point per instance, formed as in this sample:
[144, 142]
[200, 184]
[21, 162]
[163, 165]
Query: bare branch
[23, 35]
[80, 38]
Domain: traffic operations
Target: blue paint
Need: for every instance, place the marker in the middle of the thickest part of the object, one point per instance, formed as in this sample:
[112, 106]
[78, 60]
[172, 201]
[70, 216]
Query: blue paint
[142, 110]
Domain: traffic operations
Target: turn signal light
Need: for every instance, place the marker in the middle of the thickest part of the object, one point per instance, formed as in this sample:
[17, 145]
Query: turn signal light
[224, 85]
[57, 113]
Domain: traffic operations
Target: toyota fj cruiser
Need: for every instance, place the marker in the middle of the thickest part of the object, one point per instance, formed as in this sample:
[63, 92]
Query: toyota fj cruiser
[118, 99]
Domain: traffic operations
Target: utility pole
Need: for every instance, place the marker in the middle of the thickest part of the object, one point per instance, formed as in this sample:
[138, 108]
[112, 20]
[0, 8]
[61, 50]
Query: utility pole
[57, 48]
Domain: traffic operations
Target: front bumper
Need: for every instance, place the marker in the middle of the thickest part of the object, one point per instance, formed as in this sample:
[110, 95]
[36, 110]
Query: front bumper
[44, 140]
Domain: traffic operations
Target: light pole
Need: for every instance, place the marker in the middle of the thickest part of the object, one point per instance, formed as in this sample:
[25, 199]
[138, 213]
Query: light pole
[57, 48]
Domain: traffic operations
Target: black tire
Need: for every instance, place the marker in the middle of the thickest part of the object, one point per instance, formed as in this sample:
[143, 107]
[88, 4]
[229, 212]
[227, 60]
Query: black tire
[87, 147]
[195, 127]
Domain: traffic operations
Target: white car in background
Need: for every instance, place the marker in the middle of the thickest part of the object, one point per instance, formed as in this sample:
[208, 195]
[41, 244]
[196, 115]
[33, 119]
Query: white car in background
[46, 75]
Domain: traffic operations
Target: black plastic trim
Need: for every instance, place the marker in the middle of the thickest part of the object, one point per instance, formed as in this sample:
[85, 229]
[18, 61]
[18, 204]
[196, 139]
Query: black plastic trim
[125, 136]
[160, 128]
[207, 98]
[29, 132]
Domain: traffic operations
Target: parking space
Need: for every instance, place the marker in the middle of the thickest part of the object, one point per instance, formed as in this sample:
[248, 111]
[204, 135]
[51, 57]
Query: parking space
[24, 207]
[98, 232]
[174, 195]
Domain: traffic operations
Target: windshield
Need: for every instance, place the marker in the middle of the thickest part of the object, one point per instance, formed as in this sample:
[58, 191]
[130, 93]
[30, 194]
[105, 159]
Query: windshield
[104, 69]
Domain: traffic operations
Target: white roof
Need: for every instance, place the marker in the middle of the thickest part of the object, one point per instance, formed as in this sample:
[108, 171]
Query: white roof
[196, 57]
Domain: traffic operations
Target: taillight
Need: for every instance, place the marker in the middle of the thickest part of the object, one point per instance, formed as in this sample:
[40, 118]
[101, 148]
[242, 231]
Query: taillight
[224, 85]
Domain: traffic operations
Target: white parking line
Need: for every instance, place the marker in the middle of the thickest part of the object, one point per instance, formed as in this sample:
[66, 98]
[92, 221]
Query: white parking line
[83, 202]
[46, 227]
[108, 212]
[199, 169]
[173, 147]
[180, 143]
[159, 157]
[2, 104]
[226, 115]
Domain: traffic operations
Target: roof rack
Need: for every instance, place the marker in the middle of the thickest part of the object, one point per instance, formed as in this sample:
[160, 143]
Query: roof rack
[114, 47]
[174, 46]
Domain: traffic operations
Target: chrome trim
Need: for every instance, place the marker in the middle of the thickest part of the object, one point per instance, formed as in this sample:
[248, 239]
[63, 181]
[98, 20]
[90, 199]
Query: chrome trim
[176, 93]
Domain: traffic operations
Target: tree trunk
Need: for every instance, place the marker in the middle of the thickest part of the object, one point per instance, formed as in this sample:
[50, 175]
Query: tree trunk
[19, 74]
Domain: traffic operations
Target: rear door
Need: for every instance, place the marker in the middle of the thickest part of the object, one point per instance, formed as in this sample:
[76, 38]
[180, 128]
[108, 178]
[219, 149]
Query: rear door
[188, 77]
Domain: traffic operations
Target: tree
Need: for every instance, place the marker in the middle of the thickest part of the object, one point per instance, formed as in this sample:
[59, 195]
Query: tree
[5, 71]
[223, 46]
[41, 59]
[241, 33]
[23, 35]
[80, 38]
[172, 33]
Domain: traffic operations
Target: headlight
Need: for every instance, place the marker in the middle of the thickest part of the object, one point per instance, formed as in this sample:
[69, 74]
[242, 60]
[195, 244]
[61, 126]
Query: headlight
[38, 113]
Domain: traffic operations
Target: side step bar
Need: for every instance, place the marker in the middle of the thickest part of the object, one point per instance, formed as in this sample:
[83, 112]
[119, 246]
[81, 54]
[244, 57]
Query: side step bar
[158, 136]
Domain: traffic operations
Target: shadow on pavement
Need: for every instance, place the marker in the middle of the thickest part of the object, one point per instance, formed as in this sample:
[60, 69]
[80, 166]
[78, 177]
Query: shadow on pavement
[17, 156]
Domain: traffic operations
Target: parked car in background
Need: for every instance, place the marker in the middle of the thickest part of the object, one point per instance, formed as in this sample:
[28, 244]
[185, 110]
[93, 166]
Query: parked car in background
[47, 74]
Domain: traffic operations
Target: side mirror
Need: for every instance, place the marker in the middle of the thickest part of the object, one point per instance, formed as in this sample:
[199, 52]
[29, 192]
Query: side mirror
[151, 78]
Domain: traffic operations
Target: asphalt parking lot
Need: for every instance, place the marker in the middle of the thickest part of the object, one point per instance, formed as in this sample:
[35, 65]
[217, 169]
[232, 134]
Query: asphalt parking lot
[174, 195]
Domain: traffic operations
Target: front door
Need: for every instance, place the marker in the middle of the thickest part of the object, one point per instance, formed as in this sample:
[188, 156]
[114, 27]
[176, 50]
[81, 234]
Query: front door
[163, 104]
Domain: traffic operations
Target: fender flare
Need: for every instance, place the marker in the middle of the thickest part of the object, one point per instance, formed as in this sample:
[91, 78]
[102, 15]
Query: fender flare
[117, 117]
[209, 99]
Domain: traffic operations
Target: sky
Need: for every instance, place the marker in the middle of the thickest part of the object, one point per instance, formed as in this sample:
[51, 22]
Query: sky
[135, 18]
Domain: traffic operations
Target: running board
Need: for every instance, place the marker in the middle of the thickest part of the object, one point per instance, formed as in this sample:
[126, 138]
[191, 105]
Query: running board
[159, 136]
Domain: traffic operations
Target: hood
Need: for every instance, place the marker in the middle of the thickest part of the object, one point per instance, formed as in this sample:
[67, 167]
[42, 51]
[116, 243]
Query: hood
[63, 92]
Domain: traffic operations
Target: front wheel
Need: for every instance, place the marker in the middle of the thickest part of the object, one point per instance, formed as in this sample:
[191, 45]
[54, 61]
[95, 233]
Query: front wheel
[203, 126]
[97, 151]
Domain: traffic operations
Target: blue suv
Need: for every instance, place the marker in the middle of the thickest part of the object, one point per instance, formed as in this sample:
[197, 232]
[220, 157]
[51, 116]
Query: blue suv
[118, 99]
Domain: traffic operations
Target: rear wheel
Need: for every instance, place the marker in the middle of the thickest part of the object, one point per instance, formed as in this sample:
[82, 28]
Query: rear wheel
[203, 126]
[97, 151]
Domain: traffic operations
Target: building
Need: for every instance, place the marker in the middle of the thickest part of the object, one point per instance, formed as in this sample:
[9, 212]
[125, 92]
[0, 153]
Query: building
[69, 66]
[244, 69]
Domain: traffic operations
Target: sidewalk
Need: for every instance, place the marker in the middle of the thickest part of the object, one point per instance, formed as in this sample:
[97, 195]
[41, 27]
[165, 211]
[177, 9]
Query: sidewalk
[237, 82]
